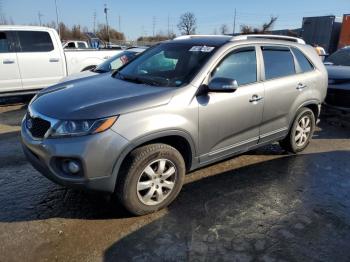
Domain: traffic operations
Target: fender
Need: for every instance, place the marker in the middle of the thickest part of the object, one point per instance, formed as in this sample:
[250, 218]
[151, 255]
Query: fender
[306, 103]
[144, 139]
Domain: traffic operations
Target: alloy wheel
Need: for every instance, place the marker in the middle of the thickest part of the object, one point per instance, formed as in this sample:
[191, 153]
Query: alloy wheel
[156, 182]
[303, 130]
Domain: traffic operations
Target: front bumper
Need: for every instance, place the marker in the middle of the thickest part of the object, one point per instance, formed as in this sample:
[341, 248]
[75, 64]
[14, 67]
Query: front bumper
[96, 153]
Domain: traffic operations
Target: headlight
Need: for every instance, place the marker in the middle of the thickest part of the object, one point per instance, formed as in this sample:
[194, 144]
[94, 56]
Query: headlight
[82, 127]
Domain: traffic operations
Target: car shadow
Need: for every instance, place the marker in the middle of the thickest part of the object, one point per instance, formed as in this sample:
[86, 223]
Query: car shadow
[13, 100]
[294, 208]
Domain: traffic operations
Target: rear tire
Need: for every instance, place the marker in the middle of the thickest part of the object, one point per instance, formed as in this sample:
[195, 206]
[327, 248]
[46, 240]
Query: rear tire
[151, 178]
[301, 131]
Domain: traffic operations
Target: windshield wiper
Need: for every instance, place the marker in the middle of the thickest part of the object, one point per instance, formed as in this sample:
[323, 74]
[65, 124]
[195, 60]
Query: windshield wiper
[100, 71]
[138, 80]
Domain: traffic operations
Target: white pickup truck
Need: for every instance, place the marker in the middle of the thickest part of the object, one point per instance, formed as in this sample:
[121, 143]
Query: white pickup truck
[32, 58]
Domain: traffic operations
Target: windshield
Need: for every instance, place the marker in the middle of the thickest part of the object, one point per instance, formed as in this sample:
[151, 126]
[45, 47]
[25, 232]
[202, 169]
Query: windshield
[168, 64]
[341, 57]
[115, 62]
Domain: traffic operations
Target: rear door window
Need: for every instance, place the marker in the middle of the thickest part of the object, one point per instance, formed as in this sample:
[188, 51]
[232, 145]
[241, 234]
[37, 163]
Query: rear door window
[35, 41]
[303, 62]
[4, 43]
[278, 62]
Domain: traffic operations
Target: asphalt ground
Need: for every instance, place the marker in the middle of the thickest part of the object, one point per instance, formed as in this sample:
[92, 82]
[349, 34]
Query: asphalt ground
[265, 205]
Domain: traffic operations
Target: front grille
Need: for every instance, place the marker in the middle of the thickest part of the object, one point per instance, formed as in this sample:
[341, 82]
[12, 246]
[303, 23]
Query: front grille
[37, 126]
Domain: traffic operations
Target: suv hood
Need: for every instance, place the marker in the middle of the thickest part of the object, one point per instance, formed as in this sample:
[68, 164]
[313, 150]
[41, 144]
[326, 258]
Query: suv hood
[98, 97]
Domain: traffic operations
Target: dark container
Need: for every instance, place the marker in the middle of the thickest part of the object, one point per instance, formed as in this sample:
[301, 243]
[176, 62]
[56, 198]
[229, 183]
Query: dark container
[323, 31]
[344, 38]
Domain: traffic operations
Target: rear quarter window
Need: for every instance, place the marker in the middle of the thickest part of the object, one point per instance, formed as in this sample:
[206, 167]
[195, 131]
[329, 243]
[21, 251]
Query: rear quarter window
[303, 62]
[278, 62]
[35, 41]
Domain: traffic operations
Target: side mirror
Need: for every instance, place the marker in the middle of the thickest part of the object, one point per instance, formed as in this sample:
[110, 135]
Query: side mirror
[222, 84]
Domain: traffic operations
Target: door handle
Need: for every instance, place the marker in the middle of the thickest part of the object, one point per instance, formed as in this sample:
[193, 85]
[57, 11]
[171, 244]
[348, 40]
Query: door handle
[8, 61]
[255, 98]
[301, 86]
[54, 60]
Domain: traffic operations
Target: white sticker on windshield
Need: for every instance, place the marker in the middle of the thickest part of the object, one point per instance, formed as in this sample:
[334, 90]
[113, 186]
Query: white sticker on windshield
[205, 49]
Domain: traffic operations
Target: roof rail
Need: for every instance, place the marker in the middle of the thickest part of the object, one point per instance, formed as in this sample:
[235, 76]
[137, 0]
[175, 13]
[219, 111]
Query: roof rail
[183, 37]
[272, 37]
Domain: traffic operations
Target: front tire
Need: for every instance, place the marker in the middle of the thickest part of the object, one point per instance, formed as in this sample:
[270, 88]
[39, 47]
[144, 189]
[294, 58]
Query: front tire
[151, 178]
[301, 131]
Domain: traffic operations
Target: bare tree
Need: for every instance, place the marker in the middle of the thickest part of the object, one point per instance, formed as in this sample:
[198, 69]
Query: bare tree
[107, 34]
[3, 20]
[265, 28]
[223, 29]
[269, 25]
[187, 24]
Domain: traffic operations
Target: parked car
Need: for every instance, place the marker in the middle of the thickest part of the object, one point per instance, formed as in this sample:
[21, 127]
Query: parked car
[75, 44]
[181, 105]
[109, 65]
[32, 58]
[338, 67]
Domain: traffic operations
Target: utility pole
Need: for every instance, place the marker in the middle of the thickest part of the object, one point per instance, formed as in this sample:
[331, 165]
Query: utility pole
[40, 15]
[94, 25]
[106, 13]
[234, 23]
[1, 14]
[120, 28]
[154, 25]
[57, 20]
[168, 26]
[2, 17]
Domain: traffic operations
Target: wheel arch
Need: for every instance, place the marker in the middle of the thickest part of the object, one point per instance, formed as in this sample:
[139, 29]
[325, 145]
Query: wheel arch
[178, 139]
[313, 105]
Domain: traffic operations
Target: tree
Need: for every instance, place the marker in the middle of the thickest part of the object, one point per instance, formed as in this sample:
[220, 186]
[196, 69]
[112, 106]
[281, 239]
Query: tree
[265, 28]
[66, 33]
[223, 29]
[102, 33]
[187, 24]
[77, 33]
[157, 38]
[5, 21]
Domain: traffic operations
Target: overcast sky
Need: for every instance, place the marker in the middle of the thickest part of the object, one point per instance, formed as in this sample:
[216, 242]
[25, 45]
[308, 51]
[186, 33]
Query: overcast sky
[137, 16]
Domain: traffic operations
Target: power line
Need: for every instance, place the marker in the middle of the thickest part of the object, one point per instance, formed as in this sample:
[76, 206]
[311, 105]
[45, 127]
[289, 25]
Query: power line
[40, 15]
[2, 16]
[154, 25]
[234, 22]
[106, 13]
[168, 25]
[57, 20]
[94, 23]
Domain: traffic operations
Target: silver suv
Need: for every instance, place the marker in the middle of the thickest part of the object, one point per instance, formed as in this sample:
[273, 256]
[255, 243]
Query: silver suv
[179, 106]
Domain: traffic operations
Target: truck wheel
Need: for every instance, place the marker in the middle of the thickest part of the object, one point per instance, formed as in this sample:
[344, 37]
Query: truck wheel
[151, 178]
[301, 131]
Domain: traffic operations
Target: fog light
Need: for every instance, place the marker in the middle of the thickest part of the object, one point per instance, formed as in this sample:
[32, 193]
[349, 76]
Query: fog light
[73, 167]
